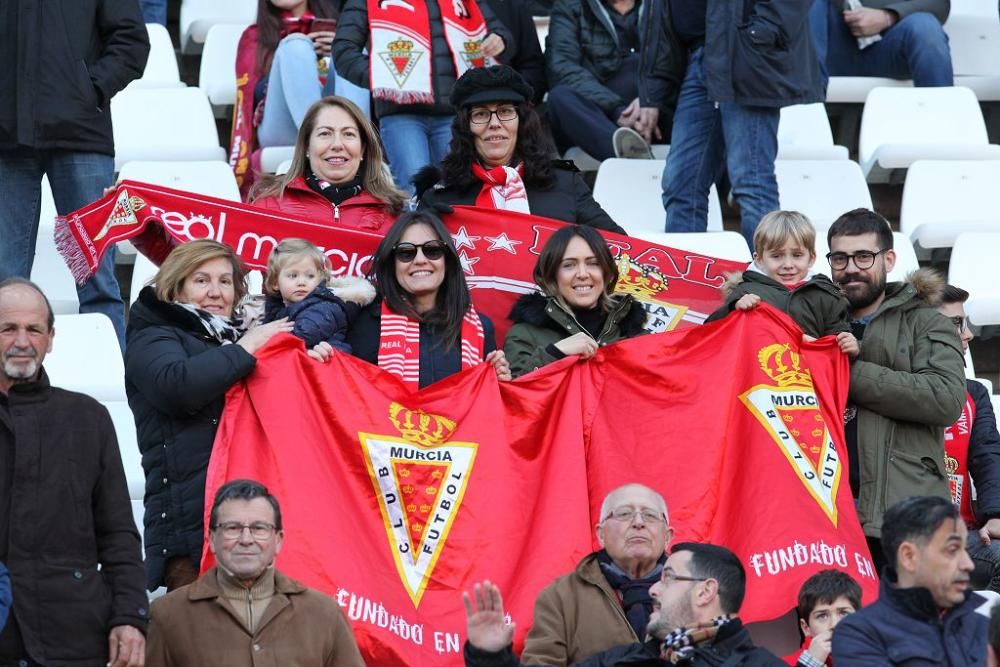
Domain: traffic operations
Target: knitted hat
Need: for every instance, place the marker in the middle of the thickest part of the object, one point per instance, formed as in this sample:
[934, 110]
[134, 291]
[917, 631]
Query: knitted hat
[499, 83]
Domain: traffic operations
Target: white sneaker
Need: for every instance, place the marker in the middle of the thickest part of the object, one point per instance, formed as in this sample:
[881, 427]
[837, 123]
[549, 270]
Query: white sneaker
[629, 144]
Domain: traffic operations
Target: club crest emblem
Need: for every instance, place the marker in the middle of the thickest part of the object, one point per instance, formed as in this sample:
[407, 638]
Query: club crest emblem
[789, 411]
[400, 59]
[419, 479]
[123, 214]
[955, 479]
[472, 53]
[649, 287]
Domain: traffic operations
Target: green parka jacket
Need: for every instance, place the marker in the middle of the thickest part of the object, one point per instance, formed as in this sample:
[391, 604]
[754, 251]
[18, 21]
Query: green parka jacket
[539, 321]
[908, 384]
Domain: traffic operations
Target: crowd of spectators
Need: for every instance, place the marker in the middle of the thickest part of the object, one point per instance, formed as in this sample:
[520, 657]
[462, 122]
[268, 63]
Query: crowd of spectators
[445, 128]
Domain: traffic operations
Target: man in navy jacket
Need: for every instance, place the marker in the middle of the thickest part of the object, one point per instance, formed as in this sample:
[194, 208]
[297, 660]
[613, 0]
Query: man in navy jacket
[926, 613]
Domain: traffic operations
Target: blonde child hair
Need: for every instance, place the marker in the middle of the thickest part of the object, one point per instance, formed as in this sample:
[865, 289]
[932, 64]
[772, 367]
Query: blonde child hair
[779, 227]
[291, 250]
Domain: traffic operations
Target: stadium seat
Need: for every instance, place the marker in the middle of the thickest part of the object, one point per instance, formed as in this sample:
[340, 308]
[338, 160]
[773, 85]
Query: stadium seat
[128, 445]
[212, 178]
[142, 272]
[902, 125]
[906, 258]
[161, 66]
[804, 134]
[942, 199]
[198, 16]
[272, 157]
[86, 358]
[629, 190]
[855, 89]
[164, 124]
[975, 47]
[283, 167]
[50, 272]
[724, 245]
[984, 9]
[821, 189]
[972, 268]
[542, 29]
[217, 74]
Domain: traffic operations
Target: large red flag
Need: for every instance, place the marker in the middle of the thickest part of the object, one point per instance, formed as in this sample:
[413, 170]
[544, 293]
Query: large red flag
[395, 501]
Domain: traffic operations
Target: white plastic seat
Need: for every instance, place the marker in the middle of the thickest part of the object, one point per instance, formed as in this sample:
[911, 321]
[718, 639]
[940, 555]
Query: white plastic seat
[630, 191]
[217, 74]
[128, 445]
[198, 16]
[142, 272]
[973, 267]
[821, 189]
[161, 66]
[906, 258]
[855, 89]
[804, 134]
[283, 167]
[975, 47]
[902, 125]
[86, 358]
[541, 29]
[212, 178]
[942, 199]
[51, 274]
[164, 124]
[272, 157]
[723, 245]
[983, 9]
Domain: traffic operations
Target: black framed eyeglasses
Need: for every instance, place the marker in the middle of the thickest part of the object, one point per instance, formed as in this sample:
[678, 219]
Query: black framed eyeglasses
[233, 530]
[863, 259]
[407, 252]
[482, 116]
[669, 575]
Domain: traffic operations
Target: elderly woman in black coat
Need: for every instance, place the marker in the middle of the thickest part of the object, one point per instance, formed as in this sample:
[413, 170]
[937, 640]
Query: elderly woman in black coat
[183, 354]
[500, 157]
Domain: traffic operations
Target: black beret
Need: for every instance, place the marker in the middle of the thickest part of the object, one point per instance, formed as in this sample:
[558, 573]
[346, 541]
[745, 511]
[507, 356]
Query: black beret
[499, 83]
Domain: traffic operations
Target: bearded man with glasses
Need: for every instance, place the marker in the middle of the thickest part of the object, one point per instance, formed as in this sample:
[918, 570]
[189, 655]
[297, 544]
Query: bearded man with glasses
[243, 611]
[605, 601]
[907, 384]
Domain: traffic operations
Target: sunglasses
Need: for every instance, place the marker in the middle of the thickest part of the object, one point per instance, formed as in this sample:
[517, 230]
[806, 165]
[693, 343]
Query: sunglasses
[407, 252]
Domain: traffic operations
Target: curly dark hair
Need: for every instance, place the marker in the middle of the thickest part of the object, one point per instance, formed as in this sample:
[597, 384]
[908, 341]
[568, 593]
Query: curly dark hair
[534, 149]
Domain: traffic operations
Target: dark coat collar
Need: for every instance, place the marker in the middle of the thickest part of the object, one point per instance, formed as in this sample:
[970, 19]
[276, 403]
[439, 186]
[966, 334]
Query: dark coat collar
[915, 602]
[531, 309]
[149, 311]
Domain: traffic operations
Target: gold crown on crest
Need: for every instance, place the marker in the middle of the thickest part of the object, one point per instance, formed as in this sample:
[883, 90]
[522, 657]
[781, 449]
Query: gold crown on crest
[400, 46]
[419, 426]
[950, 464]
[781, 364]
[637, 280]
[472, 46]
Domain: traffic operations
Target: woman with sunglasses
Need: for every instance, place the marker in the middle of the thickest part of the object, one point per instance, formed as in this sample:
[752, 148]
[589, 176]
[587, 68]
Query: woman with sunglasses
[501, 158]
[422, 326]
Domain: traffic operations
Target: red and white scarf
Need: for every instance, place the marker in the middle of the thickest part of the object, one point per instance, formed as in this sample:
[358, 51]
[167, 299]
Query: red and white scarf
[400, 51]
[957, 438]
[399, 344]
[503, 188]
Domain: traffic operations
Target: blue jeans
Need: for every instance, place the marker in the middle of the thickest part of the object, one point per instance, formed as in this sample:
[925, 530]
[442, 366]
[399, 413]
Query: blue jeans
[413, 141]
[154, 11]
[292, 87]
[709, 138]
[915, 48]
[76, 179]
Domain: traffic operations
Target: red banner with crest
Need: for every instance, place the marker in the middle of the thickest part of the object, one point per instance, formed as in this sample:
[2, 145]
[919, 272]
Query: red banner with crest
[498, 249]
[395, 501]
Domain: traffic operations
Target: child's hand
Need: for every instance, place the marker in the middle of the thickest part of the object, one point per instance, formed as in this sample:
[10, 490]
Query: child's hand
[747, 302]
[848, 344]
[321, 352]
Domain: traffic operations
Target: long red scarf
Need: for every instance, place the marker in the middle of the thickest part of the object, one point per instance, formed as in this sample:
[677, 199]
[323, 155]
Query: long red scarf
[401, 54]
[956, 460]
[503, 188]
[399, 344]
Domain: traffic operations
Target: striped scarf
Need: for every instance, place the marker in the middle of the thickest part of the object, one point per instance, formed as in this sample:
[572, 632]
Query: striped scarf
[399, 344]
[679, 646]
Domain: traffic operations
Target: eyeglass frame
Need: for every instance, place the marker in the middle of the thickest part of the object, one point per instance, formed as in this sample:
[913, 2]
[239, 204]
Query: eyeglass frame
[853, 257]
[256, 525]
[670, 575]
[405, 246]
[493, 112]
[660, 516]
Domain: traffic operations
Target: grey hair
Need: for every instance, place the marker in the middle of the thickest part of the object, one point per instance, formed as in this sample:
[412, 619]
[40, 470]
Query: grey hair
[606, 505]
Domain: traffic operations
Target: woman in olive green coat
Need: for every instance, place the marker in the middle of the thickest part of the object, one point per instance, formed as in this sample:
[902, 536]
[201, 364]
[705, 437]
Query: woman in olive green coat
[577, 311]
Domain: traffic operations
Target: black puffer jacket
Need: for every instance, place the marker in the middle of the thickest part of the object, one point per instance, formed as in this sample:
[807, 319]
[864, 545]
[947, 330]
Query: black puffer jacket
[568, 199]
[62, 63]
[353, 64]
[176, 378]
[581, 51]
[757, 53]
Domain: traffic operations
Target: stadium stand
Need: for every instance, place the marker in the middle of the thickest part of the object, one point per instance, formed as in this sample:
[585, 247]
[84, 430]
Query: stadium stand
[972, 266]
[198, 16]
[975, 43]
[217, 73]
[821, 189]
[212, 178]
[724, 245]
[161, 68]
[86, 357]
[804, 134]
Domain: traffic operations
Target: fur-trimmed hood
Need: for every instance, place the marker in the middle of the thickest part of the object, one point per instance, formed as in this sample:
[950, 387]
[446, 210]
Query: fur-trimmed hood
[532, 309]
[929, 284]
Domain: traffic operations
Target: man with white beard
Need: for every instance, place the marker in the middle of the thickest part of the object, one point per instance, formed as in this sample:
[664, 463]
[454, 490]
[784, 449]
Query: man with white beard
[66, 529]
